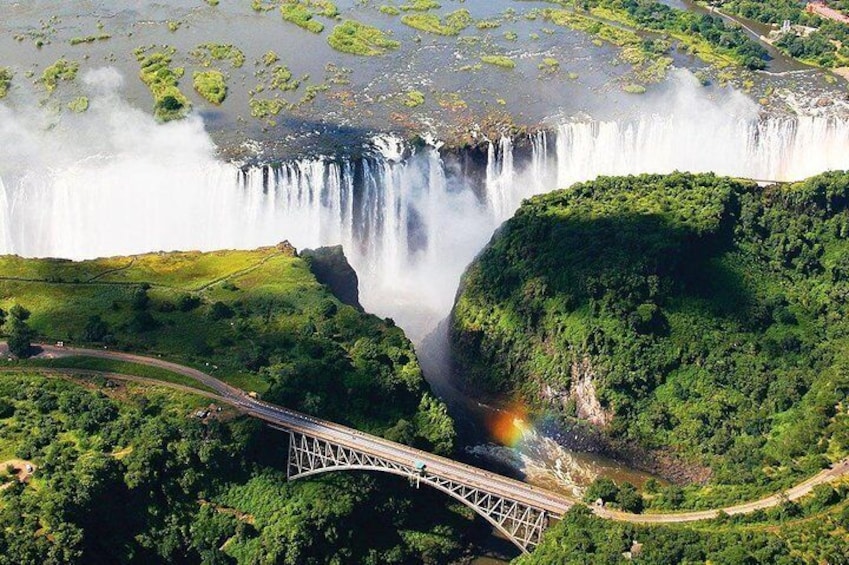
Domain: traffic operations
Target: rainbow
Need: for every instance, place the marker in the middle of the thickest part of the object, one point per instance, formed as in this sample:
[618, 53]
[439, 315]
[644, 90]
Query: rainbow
[509, 426]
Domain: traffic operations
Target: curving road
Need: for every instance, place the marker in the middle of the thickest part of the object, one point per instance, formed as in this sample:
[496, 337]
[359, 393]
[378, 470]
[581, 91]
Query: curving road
[556, 504]
[338, 434]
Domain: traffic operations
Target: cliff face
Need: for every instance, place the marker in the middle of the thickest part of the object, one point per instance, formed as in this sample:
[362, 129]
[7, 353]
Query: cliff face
[683, 312]
[331, 268]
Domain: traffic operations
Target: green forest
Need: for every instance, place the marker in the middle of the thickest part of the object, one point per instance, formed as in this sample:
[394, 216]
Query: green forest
[708, 313]
[132, 474]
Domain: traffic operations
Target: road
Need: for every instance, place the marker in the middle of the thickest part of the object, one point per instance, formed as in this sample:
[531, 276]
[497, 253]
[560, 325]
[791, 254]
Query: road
[338, 434]
[556, 504]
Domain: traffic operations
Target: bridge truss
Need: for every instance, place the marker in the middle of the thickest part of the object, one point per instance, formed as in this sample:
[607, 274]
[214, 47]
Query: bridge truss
[522, 523]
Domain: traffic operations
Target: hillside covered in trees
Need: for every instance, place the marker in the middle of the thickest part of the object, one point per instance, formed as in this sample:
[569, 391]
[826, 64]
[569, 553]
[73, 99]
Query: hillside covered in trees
[695, 316]
[132, 474]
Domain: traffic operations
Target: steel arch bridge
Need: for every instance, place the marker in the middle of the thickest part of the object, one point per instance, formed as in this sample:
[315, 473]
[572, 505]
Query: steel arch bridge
[521, 522]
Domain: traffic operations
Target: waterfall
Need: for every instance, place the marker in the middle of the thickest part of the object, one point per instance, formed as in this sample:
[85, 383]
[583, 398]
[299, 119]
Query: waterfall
[500, 178]
[5, 222]
[771, 149]
[408, 222]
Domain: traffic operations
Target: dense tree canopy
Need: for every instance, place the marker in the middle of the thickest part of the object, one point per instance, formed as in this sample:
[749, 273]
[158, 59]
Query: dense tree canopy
[130, 474]
[710, 314]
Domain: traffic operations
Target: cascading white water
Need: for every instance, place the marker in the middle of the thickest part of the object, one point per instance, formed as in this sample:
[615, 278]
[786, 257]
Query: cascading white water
[408, 223]
[500, 178]
[5, 222]
[767, 149]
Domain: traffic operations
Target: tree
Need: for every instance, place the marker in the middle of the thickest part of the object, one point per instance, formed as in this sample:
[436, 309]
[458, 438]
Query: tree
[95, 329]
[19, 312]
[629, 499]
[187, 303]
[20, 335]
[6, 408]
[602, 488]
[140, 300]
[220, 311]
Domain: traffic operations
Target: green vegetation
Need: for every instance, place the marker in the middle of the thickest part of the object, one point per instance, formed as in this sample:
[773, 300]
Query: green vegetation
[414, 98]
[634, 89]
[270, 58]
[19, 335]
[131, 473]
[264, 108]
[452, 24]
[299, 15]
[302, 12]
[110, 366]
[828, 46]
[360, 39]
[549, 65]
[205, 53]
[499, 61]
[821, 47]
[488, 24]
[211, 85]
[692, 29]
[162, 80]
[708, 37]
[90, 38]
[61, 70]
[420, 5]
[256, 317]
[702, 316]
[78, 105]
[282, 79]
[6, 76]
[279, 79]
[581, 538]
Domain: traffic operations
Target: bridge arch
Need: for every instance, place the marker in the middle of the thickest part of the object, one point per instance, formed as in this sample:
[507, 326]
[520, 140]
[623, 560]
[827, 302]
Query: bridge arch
[521, 523]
